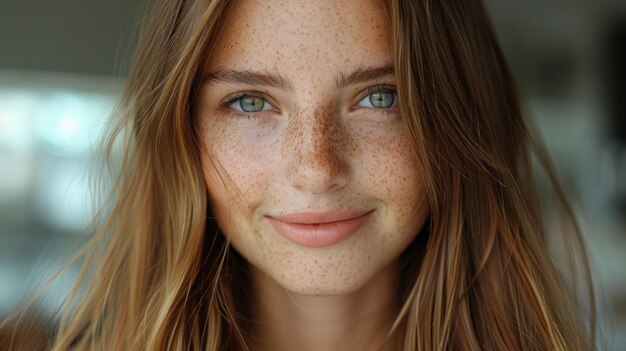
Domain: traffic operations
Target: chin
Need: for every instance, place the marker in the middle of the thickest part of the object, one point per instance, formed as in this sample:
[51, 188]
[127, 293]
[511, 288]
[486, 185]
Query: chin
[343, 269]
[312, 288]
[323, 280]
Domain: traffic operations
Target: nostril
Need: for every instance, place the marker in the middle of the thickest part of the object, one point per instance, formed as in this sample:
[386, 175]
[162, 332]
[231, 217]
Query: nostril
[318, 176]
[317, 162]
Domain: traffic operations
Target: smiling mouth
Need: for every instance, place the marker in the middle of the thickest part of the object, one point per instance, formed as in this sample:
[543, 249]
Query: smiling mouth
[319, 229]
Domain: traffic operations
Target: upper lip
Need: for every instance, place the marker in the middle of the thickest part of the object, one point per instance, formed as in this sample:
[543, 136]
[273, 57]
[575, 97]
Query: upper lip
[320, 217]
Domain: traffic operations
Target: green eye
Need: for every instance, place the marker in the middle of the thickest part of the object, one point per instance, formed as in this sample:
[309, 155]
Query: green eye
[382, 99]
[251, 103]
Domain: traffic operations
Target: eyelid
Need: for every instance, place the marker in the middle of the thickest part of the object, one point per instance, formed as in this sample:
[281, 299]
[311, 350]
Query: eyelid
[227, 101]
[374, 89]
[380, 87]
[231, 99]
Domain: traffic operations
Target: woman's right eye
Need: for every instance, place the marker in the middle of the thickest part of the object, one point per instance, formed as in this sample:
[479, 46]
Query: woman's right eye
[250, 104]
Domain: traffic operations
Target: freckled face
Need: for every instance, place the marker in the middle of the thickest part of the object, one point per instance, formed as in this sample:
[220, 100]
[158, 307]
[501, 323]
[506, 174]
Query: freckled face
[299, 114]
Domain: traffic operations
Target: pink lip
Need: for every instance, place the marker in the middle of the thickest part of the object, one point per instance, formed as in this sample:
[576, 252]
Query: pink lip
[318, 229]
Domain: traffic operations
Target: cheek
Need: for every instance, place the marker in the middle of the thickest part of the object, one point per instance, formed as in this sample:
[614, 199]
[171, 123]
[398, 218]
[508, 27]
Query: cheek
[237, 170]
[243, 164]
[391, 170]
[391, 174]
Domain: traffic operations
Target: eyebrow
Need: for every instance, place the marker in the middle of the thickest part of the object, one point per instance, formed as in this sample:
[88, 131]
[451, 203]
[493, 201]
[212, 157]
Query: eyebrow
[273, 79]
[364, 74]
[266, 78]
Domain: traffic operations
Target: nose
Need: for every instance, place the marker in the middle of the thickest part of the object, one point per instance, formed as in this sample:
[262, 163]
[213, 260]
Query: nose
[315, 146]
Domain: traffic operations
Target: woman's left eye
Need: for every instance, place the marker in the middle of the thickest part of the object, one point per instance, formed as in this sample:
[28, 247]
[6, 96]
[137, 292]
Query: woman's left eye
[380, 99]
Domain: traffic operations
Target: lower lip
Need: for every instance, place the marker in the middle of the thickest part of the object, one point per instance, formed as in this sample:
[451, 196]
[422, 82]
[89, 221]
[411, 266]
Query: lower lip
[319, 235]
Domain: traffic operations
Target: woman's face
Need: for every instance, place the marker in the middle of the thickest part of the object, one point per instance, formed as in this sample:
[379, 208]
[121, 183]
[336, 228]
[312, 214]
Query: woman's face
[309, 170]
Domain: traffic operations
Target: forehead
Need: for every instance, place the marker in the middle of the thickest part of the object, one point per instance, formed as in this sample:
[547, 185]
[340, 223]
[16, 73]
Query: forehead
[299, 36]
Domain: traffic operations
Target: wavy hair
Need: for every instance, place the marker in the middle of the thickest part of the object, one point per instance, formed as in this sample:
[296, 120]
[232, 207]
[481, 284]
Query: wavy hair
[159, 275]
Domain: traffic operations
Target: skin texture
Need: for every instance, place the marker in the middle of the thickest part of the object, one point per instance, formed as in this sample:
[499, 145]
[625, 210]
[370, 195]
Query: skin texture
[315, 147]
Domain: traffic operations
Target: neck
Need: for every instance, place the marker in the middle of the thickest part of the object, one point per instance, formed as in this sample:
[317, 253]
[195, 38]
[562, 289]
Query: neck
[358, 320]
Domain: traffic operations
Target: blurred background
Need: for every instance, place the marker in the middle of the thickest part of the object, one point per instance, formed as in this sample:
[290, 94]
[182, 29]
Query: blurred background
[62, 69]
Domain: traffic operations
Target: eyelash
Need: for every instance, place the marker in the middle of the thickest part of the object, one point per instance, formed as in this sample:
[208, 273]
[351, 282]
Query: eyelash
[234, 98]
[386, 88]
[252, 115]
[378, 88]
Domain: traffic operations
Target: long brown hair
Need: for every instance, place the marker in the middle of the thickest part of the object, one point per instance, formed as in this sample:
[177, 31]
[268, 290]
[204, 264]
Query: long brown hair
[159, 275]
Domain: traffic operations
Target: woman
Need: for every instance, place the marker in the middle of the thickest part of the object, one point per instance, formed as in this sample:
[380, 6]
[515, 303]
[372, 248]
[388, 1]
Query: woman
[322, 175]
